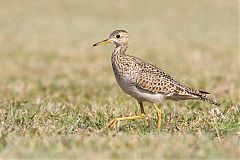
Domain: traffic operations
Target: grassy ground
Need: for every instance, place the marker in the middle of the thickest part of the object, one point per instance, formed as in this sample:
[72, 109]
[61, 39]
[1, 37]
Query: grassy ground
[57, 91]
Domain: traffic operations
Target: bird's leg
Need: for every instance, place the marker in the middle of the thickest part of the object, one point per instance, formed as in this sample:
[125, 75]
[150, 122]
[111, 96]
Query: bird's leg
[159, 114]
[142, 111]
[115, 122]
[141, 107]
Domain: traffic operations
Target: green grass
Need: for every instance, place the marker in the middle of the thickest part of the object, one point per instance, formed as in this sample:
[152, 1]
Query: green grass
[57, 91]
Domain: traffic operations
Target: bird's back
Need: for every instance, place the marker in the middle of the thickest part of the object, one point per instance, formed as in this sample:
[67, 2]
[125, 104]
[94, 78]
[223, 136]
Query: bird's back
[151, 79]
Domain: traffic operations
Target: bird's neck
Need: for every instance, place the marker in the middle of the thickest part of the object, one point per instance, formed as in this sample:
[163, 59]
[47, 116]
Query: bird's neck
[120, 50]
[118, 57]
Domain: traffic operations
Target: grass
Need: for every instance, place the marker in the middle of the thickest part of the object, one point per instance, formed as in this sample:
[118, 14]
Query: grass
[57, 91]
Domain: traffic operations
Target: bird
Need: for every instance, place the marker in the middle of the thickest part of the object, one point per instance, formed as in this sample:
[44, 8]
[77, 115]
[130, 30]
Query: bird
[144, 81]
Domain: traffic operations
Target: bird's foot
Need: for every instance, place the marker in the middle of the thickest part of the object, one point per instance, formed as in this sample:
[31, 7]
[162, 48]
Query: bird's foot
[113, 124]
[116, 122]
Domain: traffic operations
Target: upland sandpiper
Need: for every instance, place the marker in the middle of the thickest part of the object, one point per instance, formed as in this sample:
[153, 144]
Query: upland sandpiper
[144, 81]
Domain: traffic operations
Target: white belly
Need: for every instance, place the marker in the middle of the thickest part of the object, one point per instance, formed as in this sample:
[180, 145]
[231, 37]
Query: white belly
[139, 94]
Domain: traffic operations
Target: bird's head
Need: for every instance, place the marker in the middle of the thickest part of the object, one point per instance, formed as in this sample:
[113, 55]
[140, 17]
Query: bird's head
[118, 37]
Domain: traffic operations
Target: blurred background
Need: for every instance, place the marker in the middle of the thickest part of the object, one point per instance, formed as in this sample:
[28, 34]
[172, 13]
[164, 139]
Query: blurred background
[196, 42]
[46, 54]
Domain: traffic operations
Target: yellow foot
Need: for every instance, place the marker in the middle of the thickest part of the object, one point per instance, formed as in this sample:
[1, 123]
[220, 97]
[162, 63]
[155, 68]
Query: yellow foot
[115, 122]
[112, 124]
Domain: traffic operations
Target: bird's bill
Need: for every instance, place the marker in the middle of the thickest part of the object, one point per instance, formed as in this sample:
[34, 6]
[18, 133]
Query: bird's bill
[103, 42]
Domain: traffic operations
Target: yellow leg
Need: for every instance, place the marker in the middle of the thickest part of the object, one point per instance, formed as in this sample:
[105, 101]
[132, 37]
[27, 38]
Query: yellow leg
[115, 122]
[159, 114]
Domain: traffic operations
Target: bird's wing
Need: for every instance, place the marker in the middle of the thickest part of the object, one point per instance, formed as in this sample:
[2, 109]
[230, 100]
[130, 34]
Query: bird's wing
[155, 80]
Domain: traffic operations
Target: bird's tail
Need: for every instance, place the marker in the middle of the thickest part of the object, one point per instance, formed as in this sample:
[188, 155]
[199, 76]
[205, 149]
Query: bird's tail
[209, 100]
[202, 95]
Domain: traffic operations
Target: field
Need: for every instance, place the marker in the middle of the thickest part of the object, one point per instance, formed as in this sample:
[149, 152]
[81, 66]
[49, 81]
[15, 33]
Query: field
[57, 91]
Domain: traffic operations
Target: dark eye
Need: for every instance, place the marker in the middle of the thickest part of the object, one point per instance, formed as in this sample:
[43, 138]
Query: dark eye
[117, 36]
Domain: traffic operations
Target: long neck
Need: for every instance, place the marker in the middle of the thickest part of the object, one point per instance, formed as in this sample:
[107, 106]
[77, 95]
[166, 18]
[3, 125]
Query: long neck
[119, 50]
[117, 58]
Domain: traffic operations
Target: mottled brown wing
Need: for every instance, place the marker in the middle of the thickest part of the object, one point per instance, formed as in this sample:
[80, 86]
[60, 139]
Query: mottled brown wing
[153, 79]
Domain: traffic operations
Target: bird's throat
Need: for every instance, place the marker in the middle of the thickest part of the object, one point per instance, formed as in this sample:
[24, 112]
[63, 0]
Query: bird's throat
[119, 50]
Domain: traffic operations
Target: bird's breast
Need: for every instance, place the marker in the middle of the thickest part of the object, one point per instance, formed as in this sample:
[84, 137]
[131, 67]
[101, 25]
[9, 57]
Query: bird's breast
[126, 83]
[124, 77]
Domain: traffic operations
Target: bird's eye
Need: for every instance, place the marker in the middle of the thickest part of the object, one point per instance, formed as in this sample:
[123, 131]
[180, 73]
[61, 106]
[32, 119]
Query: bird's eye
[117, 36]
